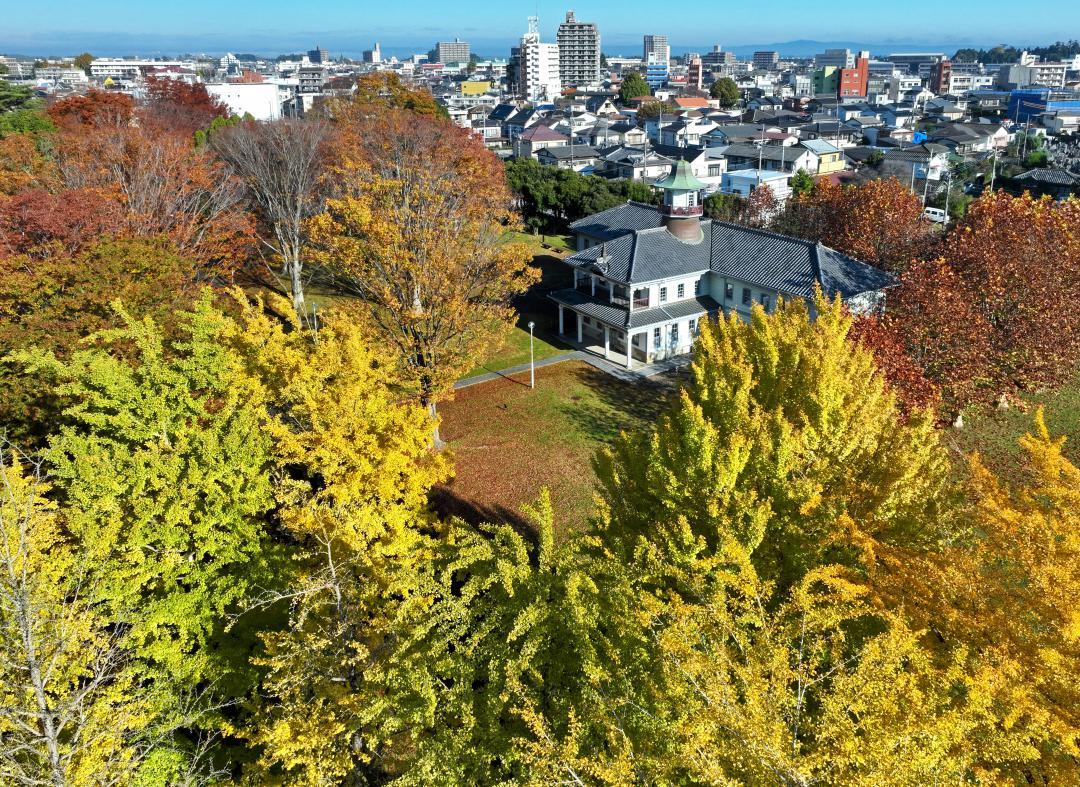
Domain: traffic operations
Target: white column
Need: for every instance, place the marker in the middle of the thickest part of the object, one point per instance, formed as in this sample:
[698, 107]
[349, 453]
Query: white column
[579, 323]
[562, 331]
[629, 350]
[593, 279]
[607, 342]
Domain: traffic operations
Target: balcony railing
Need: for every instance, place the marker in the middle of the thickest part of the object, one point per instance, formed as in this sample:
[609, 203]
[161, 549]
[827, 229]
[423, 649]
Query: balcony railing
[674, 210]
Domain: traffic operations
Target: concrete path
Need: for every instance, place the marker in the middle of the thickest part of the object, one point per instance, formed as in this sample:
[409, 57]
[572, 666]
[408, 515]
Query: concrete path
[639, 372]
[573, 355]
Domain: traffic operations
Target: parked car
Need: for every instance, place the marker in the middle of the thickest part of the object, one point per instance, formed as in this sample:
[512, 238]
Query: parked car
[936, 215]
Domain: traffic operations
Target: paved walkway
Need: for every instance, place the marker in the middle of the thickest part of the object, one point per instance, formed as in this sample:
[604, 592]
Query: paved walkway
[639, 372]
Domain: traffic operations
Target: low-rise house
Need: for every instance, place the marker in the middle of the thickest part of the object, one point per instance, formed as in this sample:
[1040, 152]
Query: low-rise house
[515, 125]
[688, 131]
[743, 182]
[644, 277]
[1055, 183]
[629, 133]
[534, 139]
[631, 163]
[771, 157]
[968, 138]
[1061, 122]
[578, 158]
[830, 158]
[832, 131]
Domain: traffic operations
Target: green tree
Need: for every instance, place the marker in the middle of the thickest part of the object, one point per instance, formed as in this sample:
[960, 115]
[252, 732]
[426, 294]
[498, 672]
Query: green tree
[802, 182]
[13, 96]
[725, 207]
[633, 86]
[72, 710]
[652, 109]
[725, 91]
[162, 462]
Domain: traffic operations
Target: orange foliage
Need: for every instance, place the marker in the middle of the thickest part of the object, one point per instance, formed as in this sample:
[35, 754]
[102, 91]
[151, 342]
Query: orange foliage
[97, 109]
[998, 310]
[879, 222]
[23, 166]
[905, 377]
[165, 186]
[40, 224]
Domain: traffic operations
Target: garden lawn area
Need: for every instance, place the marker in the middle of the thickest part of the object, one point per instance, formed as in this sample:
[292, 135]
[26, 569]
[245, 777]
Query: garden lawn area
[515, 350]
[995, 434]
[560, 244]
[532, 306]
[508, 440]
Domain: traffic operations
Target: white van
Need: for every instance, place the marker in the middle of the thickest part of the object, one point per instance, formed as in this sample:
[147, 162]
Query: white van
[936, 215]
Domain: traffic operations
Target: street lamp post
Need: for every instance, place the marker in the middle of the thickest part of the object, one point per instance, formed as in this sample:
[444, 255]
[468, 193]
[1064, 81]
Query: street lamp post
[532, 357]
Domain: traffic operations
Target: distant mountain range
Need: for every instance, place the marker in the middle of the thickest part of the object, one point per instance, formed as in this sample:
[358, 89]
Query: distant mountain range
[351, 44]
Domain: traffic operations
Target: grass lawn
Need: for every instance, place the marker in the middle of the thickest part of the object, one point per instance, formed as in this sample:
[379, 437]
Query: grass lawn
[508, 440]
[995, 434]
[560, 244]
[533, 306]
[515, 350]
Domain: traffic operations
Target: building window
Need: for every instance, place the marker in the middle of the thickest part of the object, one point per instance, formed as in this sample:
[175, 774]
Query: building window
[765, 301]
[697, 287]
[681, 291]
[675, 335]
[663, 295]
[746, 297]
[729, 292]
[693, 327]
[656, 338]
[641, 298]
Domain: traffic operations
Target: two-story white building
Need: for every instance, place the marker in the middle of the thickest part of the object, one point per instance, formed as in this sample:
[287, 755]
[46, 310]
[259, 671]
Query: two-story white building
[645, 277]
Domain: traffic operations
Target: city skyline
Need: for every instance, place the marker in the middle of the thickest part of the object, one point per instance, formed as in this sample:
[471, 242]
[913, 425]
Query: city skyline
[116, 27]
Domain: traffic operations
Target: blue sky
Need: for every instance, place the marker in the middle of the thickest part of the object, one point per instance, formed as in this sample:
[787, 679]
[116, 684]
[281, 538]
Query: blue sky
[348, 26]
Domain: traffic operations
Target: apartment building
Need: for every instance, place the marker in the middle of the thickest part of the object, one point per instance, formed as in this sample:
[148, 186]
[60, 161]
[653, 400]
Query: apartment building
[124, 68]
[539, 66]
[657, 46]
[579, 52]
[456, 51]
[766, 60]
[835, 58]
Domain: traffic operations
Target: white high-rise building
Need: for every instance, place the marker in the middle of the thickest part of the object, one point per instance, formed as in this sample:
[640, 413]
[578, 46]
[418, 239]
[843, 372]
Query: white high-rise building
[579, 53]
[539, 66]
[658, 46]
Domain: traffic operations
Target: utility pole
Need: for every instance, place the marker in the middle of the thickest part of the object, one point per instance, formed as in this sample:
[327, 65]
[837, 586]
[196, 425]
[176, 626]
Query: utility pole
[571, 134]
[948, 190]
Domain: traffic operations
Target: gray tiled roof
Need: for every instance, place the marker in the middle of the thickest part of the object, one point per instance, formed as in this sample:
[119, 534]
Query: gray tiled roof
[1054, 177]
[765, 152]
[787, 265]
[592, 307]
[618, 221]
[621, 317]
[676, 310]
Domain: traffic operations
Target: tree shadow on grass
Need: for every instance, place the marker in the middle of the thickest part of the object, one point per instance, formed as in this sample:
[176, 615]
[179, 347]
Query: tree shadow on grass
[447, 503]
[619, 406]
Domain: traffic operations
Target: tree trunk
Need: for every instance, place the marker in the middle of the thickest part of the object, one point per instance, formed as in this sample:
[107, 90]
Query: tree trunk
[297, 286]
[436, 440]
